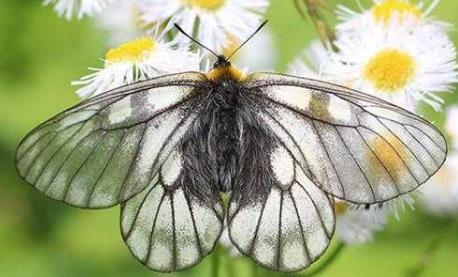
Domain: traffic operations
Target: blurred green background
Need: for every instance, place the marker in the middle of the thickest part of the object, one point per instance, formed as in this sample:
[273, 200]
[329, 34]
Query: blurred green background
[40, 53]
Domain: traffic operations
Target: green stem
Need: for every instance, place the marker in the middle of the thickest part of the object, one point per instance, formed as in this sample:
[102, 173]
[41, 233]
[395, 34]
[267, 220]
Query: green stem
[215, 262]
[230, 269]
[431, 250]
[326, 262]
[254, 269]
[314, 10]
[228, 263]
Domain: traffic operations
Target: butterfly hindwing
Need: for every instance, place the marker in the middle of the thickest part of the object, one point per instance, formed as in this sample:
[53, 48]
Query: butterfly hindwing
[353, 146]
[108, 148]
[166, 227]
[290, 226]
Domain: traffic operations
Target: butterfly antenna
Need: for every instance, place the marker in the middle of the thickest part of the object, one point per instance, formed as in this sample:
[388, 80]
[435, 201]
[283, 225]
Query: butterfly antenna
[194, 40]
[248, 39]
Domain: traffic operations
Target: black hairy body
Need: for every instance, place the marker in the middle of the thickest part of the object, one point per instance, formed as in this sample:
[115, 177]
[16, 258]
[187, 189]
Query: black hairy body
[225, 148]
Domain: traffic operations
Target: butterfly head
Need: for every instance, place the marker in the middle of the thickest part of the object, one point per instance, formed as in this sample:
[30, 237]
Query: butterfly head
[223, 69]
[221, 61]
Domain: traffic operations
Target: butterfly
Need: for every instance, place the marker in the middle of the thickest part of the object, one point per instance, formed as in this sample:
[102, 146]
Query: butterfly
[281, 147]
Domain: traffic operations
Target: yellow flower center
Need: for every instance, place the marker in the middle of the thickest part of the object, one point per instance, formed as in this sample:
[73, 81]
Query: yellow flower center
[384, 11]
[390, 70]
[131, 51]
[204, 4]
[340, 208]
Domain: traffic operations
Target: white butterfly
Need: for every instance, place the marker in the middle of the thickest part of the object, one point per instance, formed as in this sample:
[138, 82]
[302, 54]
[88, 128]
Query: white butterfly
[282, 146]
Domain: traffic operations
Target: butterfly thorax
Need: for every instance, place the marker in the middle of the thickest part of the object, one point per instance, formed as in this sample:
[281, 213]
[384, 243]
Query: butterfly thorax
[224, 70]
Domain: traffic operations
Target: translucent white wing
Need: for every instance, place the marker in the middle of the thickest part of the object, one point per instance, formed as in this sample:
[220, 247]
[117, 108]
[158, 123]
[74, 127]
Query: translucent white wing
[107, 149]
[291, 226]
[353, 146]
[165, 226]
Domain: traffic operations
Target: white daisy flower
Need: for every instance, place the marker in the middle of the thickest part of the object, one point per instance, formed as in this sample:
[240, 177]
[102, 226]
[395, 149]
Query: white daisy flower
[80, 8]
[400, 204]
[121, 21]
[451, 125]
[258, 54]
[385, 12]
[311, 62]
[440, 194]
[212, 22]
[137, 60]
[357, 225]
[402, 63]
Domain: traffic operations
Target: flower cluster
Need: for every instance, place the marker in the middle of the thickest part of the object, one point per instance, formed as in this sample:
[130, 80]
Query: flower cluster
[137, 60]
[145, 44]
[394, 51]
[397, 52]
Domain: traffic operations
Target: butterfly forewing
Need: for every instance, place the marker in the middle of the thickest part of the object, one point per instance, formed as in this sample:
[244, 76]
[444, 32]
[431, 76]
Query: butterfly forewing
[353, 146]
[108, 148]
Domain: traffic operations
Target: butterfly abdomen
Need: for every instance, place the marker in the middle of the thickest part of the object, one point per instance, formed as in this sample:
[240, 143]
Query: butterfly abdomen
[211, 147]
[227, 134]
[241, 143]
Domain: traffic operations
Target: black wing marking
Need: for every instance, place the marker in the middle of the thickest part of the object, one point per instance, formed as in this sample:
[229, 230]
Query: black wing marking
[108, 148]
[166, 227]
[354, 146]
[291, 226]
